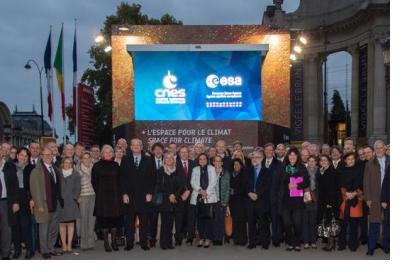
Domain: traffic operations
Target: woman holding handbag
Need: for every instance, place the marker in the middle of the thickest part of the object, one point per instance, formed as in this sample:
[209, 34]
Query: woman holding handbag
[294, 180]
[204, 198]
[328, 190]
[351, 208]
[168, 186]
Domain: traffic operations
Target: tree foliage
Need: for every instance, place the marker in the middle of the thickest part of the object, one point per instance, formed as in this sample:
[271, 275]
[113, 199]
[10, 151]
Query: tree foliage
[99, 75]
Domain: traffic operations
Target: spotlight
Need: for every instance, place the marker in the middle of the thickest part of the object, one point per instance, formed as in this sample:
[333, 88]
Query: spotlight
[292, 57]
[99, 39]
[107, 49]
[303, 40]
[297, 49]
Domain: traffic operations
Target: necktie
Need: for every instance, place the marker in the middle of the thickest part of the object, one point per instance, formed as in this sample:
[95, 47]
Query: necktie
[267, 163]
[52, 174]
[158, 163]
[255, 178]
[185, 169]
[33, 162]
[136, 162]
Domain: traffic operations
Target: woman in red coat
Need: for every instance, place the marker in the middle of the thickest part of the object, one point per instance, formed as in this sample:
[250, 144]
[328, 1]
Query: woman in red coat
[351, 208]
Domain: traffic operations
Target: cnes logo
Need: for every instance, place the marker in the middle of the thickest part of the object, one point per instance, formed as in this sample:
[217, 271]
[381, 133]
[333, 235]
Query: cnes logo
[170, 94]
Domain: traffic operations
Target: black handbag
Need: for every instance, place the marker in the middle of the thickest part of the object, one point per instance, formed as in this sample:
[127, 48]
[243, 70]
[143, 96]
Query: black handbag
[206, 211]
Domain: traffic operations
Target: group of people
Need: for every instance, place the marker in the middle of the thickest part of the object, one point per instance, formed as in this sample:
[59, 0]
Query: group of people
[271, 196]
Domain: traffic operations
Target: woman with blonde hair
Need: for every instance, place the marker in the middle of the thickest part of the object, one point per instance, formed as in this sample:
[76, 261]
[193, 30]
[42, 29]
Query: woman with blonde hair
[70, 192]
[105, 179]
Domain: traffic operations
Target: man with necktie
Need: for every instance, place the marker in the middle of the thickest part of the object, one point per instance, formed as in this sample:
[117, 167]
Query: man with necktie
[257, 185]
[45, 188]
[137, 173]
[158, 156]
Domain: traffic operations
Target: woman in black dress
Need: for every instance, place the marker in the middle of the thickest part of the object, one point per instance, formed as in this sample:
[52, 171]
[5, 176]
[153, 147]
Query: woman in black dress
[328, 195]
[237, 202]
[105, 179]
[169, 185]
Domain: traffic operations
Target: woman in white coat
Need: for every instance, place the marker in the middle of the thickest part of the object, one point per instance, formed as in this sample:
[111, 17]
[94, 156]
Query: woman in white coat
[204, 185]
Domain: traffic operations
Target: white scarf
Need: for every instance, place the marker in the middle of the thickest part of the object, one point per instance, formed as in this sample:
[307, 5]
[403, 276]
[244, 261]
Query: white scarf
[67, 172]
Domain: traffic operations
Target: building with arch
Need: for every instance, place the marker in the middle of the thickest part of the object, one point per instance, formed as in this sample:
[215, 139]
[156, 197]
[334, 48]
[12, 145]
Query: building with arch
[360, 27]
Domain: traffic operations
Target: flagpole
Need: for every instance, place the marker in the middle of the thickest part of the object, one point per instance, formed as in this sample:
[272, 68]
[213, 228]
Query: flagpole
[75, 84]
[52, 84]
[62, 71]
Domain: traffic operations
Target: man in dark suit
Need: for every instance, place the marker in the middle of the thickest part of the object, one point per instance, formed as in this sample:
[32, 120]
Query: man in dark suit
[223, 153]
[274, 167]
[157, 151]
[137, 183]
[258, 186]
[184, 168]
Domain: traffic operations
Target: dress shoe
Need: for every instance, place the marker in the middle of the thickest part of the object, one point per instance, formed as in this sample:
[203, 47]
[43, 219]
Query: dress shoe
[290, 248]
[56, 253]
[163, 247]
[200, 243]
[46, 256]
[17, 254]
[206, 244]
[178, 243]
[152, 243]
[364, 242]
[265, 247]
[251, 246]
[341, 248]
[297, 249]
[145, 247]
[170, 247]
[189, 241]
[370, 253]
[128, 248]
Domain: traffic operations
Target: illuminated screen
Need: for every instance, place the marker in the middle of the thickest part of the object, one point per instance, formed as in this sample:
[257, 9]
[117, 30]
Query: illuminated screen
[197, 85]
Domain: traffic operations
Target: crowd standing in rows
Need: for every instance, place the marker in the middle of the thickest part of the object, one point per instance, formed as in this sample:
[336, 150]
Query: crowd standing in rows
[272, 196]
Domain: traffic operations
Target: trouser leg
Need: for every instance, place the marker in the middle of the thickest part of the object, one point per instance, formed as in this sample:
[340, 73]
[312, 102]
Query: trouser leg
[5, 230]
[143, 229]
[53, 228]
[354, 224]
[130, 228]
[374, 233]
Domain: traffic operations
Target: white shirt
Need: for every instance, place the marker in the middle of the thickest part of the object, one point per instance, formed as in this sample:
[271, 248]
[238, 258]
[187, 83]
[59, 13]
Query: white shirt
[3, 183]
[33, 159]
[268, 162]
[158, 162]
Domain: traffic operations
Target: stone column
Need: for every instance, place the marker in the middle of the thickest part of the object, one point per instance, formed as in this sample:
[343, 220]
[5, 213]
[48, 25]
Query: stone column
[312, 107]
[378, 128]
[354, 51]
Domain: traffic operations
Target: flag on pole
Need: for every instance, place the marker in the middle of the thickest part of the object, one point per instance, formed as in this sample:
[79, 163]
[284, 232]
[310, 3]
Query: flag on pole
[59, 69]
[75, 78]
[47, 66]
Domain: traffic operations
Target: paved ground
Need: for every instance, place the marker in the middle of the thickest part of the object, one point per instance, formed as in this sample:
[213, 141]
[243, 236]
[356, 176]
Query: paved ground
[226, 252]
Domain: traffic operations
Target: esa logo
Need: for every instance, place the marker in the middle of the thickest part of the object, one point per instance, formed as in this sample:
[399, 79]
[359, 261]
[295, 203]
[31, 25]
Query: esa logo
[213, 81]
[170, 94]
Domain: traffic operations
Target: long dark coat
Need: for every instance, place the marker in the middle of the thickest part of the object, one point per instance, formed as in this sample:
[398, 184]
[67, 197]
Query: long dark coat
[372, 186]
[105, 178]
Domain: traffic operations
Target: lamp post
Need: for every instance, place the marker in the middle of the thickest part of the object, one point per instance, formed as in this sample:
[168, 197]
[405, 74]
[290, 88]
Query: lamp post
[28, 66]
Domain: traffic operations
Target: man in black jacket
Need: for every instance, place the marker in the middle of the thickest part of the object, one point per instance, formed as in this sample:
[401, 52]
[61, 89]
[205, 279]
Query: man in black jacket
[274, 167]
[257, 186]
[184, 168]
[137, 183]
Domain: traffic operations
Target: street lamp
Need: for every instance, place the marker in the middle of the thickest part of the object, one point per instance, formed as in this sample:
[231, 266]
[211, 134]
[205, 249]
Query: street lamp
[28, 67]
